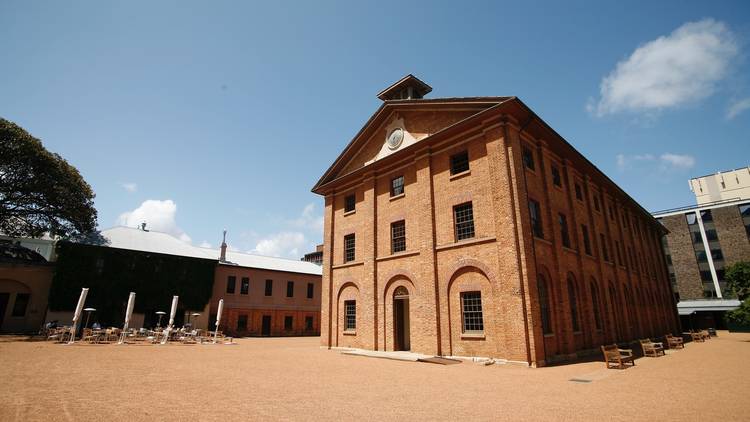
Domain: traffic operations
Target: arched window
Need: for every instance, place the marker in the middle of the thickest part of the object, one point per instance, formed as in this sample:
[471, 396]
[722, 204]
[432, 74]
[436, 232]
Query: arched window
[595, 303]
[544, 306]
[573, 305]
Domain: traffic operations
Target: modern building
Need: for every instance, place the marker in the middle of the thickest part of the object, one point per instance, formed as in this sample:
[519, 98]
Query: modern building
[469, 227]
[722, 186]
[25, 278]
[315, 257]
[703, 240]
[262, 295]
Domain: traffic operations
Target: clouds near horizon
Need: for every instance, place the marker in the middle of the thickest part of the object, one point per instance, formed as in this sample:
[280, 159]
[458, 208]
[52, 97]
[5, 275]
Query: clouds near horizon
[158, 215]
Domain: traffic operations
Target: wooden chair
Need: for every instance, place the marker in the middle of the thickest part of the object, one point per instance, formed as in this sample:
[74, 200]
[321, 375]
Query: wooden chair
[651, 349]
[674, 342]
[706, 335]
[616, 356]
[697, 337]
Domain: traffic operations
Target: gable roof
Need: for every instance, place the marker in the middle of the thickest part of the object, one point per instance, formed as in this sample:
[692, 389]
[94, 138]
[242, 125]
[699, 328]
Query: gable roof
[157, 242]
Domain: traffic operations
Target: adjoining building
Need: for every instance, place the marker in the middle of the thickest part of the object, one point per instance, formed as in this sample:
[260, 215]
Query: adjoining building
[315, 257]
[25, 277]
[262, 295]
[469, 227]
[703, 241]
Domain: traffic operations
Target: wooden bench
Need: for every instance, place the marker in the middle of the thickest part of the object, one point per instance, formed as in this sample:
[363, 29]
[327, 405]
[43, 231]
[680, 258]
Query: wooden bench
[616, 356]
[674, 342]
[651, 349]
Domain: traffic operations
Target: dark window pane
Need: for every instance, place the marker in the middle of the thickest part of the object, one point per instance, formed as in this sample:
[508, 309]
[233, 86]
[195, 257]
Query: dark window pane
[605, 252]
[20, 305]
[573, 306]
[397, 186]
[242, 323]
[245, 286]
[460, 162]
[471, 309]
[350, 315]
[528, 158]
[231, 282]
[308, 323]
[564, 234]
[310, 287]
[349, 203]
[288, 323]
[349, 245]
[269, 288]
[536, 219]
[544, 304]
[398, 236]
[586, 240]
[289, 289]
[556, 180]
[595, 303]
[596, 203]
[579, 192]
[463, 218]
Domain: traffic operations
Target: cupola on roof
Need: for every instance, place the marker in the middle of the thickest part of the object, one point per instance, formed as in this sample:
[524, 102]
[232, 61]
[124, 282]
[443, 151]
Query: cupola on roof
[407, 88]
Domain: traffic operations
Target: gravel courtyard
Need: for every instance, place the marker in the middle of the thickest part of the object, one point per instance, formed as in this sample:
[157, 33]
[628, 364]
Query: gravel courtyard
[294, 379]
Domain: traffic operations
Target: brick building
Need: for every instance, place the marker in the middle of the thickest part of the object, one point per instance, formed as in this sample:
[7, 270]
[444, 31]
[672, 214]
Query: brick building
[469, 227]
[703, 240]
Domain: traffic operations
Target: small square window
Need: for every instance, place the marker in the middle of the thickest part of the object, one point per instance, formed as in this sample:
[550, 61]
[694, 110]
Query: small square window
[245, 286]
[579, 192]
[289, 289]
[269, 288]
[556, 179]
[398, 236]
[310, 289]
[349, 244]
[349, 203]
[397, 186]
[231, 284]
[460, 162]
[528, 158]
[350, 315]
[463, 219]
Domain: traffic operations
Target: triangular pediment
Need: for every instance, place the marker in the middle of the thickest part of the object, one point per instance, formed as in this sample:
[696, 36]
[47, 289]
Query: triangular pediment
[403, 123]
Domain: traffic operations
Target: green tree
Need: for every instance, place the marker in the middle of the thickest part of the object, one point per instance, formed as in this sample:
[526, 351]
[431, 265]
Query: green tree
[738, 279]
[39, 191]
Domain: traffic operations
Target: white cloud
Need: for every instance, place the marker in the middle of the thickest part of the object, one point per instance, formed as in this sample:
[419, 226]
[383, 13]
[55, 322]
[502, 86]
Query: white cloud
[158, 216]
[309, 220]
[666, 162]
[284, 244]
[737, 107]
[130, 187]
[677, 160]
[205, 244]
[680, 68]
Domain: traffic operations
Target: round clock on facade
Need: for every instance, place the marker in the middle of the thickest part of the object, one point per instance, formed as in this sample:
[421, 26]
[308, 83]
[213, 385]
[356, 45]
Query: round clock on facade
[395, 138]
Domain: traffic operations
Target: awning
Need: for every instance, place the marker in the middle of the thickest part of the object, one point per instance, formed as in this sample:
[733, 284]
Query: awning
[689, 307]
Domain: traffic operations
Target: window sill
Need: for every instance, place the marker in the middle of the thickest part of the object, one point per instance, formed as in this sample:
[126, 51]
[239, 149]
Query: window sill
[397, 255]
[471, 336]
[349, 332]
[549, 335]
[589, 256]
[348, 264]
[347, 213]
[459, 175]
[395, 197]
[570, 250]
[466, 242]
[543, 240]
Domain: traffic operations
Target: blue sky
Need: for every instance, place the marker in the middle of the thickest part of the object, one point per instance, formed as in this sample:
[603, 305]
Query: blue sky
[200, 116]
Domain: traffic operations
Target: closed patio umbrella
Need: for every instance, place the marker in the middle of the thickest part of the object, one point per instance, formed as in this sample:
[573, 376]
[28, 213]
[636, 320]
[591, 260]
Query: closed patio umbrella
[128, 315]
[172, 313]
[218, 318]
[77, 314]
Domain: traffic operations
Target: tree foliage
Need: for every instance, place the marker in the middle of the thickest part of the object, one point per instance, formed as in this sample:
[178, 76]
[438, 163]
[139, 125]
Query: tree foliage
[737, 276]
[40, 192]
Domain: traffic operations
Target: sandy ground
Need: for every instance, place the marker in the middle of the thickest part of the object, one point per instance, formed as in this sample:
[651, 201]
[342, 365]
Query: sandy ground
[294, 379]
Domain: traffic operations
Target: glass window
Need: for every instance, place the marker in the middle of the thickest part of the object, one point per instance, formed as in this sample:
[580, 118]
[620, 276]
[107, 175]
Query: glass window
[544, 304]
[536, 219]
[471, 311]
[579, 192]
[308, 323]
[269, 288]
[245, 286]
[231, 284]
[398, 236]
[310, 289]
[463, 219]
[20, 305]
[528, 158]
[690, 217]
[605, 252]
[564, 234]
[595, 303]
[573, 306]
[397, 186]
[289, 289]
[350, 315]
[349, 247]
[556, 179]
[288, 323]
[596, 203]
[586, 240]
[242, 323]
[349, 203]
[460, 162]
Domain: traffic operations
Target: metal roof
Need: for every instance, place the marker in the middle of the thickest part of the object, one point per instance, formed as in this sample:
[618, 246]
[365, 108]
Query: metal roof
[687, 307]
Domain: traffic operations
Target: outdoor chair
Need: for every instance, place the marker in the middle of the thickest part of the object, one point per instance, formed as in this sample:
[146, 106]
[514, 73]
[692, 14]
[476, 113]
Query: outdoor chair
[651, 349]
[706, 335]
[616, 356]
[674, 342]
[696, 336]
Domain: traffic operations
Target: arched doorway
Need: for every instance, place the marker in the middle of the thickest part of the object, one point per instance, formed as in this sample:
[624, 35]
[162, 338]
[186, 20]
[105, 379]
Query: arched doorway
[401, 319]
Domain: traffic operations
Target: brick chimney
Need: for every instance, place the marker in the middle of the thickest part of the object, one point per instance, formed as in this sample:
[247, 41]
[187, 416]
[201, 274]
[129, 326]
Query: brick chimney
[223, 256]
